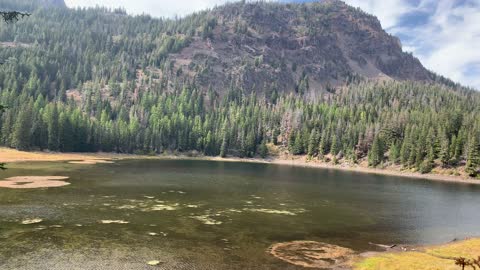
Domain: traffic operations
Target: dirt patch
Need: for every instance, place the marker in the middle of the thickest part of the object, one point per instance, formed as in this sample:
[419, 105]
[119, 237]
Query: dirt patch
[311, 254]
[27, 182]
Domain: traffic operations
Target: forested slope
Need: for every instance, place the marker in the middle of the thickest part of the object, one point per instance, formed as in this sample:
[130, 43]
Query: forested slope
[99, 80]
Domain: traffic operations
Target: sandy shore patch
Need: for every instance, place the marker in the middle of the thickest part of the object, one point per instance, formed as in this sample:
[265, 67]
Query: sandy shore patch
[27, 182]
[91, 161]
[10, 155]
[311, 254]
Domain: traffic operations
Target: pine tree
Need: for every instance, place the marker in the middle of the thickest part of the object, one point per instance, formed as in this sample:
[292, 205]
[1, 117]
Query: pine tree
[322, 148]
[52, 122]
[334, 146]
[223, 147]
[376, 153]
[444, 153]
[263, 149]
[473, 156]
[298, 145]
[312, 143]
[22, 129]
[394, 154]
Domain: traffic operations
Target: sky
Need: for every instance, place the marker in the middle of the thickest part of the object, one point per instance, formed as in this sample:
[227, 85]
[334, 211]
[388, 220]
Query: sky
[443, 34]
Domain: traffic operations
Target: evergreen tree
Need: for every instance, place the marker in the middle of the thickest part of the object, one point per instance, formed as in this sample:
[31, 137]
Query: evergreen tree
[263, 149]
[298, 145]
[52, 123]
[312, 143]
[22, 128]
[444, 154]
[334, 146]
[473, 156]
[376, 153]
[394, 154]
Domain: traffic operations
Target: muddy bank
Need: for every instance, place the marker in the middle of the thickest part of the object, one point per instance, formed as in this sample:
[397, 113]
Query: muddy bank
[10, 155]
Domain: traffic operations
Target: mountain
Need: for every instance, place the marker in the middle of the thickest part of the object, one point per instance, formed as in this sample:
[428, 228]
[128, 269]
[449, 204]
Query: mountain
[30, 5]
[54, 3]
[244, 79]
[263, 44]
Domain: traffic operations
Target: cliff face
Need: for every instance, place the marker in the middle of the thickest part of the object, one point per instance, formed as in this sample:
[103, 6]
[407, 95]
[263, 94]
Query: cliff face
[307, 47]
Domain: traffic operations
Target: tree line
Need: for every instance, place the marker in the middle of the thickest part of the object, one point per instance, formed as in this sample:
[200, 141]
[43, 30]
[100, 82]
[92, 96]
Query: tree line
[410, 124]
[83, 80]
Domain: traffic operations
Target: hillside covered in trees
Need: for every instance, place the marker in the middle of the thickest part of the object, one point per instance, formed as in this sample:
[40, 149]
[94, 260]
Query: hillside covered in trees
[100, 80]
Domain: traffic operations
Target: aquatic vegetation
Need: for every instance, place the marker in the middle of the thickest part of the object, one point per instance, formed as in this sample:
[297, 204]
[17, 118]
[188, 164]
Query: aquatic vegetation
[114, 222]
[313, 254]
[232, 210]
[274, 211]
[32, 221]
[31, 182]
[129, 207]
[153, 263]
[165, 207]
[207, 220]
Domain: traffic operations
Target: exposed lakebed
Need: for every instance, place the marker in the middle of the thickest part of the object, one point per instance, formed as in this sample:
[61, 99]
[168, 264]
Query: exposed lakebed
[214, 215]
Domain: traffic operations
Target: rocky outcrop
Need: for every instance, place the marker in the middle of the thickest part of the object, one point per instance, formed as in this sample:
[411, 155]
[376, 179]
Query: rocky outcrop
[294, 47]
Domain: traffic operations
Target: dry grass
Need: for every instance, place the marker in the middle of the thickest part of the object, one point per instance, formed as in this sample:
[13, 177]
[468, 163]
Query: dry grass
[468, 249]
[30, 182]
[8, 155]
[432, 258]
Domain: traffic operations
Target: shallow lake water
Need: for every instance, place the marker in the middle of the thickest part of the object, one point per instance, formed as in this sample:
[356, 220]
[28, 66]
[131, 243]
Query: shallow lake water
[217, 215]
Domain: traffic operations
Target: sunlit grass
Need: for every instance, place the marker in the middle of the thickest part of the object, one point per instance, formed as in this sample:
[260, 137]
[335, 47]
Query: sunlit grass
[434, 258]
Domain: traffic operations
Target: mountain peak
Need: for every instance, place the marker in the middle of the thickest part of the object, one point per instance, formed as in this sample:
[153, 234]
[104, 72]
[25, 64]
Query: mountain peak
[321, 44]
[54, 3]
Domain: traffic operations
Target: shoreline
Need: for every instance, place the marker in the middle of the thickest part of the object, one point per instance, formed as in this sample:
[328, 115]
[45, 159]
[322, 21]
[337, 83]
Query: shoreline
[14, 156]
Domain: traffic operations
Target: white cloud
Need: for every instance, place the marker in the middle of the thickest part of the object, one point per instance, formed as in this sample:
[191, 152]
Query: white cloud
[157, 8]
[388, 11]
[447, 43]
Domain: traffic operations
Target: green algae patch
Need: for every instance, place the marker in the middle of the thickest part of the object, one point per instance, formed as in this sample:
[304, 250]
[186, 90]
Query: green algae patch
[275, 211]
[165, 207]
[32, 182]
[114, 222]
[311, 254]
[32, 221]
[207, 220]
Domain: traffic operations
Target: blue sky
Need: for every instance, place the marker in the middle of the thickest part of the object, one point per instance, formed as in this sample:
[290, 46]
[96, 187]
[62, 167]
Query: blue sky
[443, 34]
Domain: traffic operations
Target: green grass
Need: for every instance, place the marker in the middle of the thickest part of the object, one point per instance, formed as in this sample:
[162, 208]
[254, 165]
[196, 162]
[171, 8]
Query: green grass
[432, 258]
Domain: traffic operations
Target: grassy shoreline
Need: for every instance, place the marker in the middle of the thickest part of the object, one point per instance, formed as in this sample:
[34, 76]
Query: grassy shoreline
[437, 257]
[8, 155]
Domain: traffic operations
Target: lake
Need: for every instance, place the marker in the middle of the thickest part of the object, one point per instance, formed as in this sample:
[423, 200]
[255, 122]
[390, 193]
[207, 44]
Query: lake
[192, 214]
